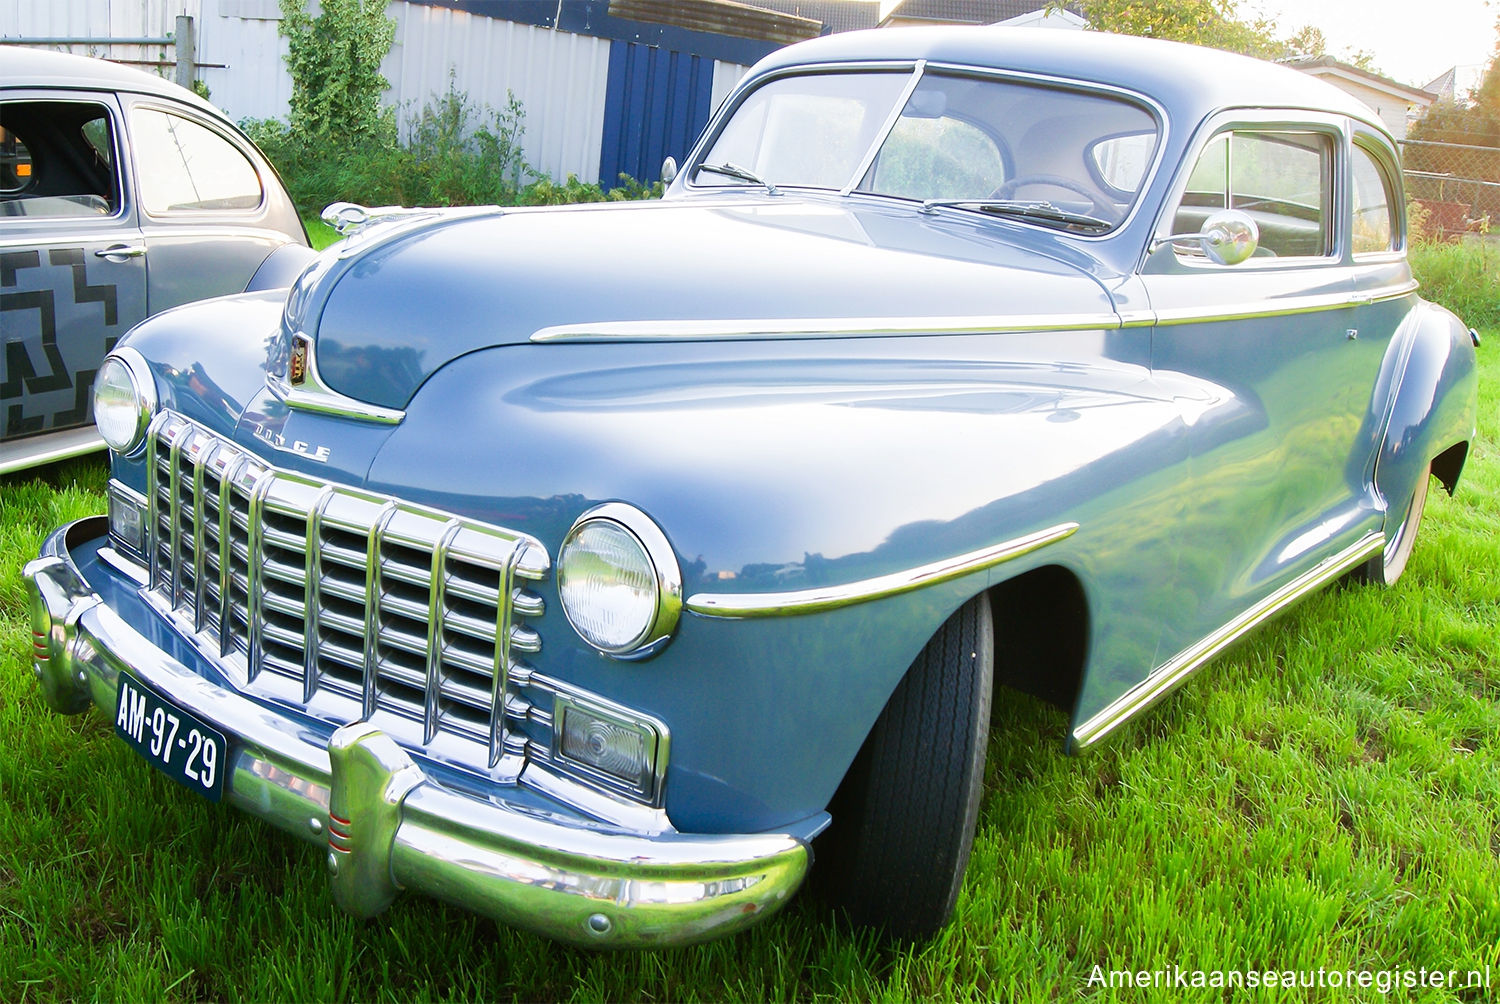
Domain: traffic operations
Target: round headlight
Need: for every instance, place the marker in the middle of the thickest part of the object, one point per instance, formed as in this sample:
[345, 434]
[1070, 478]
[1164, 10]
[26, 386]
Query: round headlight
[618, 581]
[124, 400]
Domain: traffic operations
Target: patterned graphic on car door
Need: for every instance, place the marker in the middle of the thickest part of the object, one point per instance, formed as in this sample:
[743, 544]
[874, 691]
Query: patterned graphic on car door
[61, 310]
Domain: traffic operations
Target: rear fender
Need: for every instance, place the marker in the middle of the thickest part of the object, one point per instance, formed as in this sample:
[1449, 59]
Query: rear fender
[1434, 405]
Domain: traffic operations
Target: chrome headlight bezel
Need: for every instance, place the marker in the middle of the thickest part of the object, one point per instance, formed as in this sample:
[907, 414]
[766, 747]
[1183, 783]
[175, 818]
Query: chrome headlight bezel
[662, 571]
[143, 402]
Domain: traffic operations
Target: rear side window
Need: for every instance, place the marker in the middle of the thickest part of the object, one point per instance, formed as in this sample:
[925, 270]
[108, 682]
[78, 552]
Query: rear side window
[185, 167]
[1374, 208]
[57, 160]
[1283, 180]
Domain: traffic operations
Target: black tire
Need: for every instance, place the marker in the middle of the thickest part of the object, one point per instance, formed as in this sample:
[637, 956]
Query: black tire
[1386, 567]
[903, 819]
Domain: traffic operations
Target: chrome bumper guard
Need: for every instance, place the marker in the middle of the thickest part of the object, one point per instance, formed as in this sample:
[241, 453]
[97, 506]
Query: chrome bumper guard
[388, 826]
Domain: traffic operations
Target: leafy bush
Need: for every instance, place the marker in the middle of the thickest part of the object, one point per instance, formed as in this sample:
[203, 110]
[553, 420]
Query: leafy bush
[456, 153]
[1462, 276]
[334, 60]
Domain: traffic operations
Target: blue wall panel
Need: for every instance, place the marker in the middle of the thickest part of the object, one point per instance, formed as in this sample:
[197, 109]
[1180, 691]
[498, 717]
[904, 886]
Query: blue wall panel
[656, 103]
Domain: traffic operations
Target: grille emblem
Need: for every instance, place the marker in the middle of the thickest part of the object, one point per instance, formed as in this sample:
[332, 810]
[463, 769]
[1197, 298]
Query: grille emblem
[298, 369]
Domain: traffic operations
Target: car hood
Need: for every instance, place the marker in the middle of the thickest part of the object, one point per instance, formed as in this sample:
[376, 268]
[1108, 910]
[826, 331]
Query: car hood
[388, 309]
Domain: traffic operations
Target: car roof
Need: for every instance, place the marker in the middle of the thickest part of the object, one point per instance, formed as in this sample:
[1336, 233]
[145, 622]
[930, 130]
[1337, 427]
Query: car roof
[1188, 80]
[22, 67]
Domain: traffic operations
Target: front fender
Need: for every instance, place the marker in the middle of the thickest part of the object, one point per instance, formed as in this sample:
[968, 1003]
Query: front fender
[797, 465]
[1434, 405]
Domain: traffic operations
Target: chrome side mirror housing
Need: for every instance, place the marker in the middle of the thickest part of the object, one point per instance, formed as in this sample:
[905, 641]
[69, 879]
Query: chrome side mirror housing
[1228, 237]
[668, 170]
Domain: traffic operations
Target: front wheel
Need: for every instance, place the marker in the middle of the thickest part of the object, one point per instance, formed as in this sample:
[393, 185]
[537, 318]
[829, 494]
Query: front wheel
[1386, 567]
[903, 819]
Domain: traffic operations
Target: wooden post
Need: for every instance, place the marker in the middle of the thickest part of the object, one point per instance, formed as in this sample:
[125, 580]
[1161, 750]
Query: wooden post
[185, 50]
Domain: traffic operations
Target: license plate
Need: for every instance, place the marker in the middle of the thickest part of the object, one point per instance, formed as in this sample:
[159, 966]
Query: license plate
[178, 743]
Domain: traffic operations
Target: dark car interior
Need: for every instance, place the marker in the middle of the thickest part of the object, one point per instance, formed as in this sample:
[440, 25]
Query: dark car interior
[57, 159]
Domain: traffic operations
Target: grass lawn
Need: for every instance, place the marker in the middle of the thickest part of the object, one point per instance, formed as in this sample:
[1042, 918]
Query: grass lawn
[1325, 795]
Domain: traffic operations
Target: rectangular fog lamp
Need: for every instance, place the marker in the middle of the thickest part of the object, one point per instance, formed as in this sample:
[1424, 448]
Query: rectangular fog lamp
[607, 744]
[127, 520]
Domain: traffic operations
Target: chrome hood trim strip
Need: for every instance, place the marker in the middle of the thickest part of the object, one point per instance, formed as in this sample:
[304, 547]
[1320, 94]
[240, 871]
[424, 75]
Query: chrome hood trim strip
[806, 601]
[818, 327]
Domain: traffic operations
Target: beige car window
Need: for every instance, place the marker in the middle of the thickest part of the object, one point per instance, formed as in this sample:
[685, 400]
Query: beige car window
[186, 167]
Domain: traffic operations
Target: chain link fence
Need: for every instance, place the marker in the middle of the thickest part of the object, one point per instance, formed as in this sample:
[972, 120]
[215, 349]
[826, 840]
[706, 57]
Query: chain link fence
[1457, 185]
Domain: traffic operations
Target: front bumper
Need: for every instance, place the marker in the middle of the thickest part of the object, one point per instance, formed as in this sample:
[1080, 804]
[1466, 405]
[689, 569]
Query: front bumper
[389, 826]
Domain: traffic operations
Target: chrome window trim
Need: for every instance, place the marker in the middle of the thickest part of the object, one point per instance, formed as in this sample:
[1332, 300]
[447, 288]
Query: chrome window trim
[230, 135]
[1261, 120]
[918, 69]
[110, 101]
[863, 167]
[1175, 671]
[823, 598]
[747, 87]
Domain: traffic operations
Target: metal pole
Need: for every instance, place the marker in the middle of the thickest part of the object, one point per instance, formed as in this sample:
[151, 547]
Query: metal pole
[184, 51]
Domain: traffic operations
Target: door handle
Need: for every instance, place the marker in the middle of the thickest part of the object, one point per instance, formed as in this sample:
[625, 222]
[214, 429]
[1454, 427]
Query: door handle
[120, 252]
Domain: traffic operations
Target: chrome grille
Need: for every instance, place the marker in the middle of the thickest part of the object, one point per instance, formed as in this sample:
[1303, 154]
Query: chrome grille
[353, 603]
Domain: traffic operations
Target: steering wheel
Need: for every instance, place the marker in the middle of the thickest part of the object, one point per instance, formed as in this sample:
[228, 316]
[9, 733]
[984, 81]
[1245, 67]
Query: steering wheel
[1008, 190]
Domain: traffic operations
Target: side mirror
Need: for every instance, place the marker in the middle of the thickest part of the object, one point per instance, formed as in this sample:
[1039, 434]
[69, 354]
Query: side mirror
[668, 170]
[1228, 237]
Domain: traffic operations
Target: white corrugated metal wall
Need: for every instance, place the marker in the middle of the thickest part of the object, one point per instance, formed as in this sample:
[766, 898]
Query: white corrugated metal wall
[726, 75]
[241, 42]
[559, 77]
[100, 19]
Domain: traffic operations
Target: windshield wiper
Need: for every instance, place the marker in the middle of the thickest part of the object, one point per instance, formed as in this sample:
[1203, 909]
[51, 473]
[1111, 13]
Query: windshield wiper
[1045, 211]
[730, 170]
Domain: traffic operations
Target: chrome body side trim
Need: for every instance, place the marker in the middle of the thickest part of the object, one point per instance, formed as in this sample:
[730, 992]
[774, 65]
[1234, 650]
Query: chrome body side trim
[1180, 667]
[818, 327]
[1267, 308]
[898, 327]
[29, 451]
[806, 601]
[388, 825]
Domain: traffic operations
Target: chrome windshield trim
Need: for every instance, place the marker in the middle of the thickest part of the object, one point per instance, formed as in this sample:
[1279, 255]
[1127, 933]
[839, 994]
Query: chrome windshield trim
[1184, 664]
[891, 119]
[806, 601]
[740, 329]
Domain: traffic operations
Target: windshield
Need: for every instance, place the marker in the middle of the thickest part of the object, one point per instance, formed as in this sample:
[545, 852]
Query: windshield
[1054, 157]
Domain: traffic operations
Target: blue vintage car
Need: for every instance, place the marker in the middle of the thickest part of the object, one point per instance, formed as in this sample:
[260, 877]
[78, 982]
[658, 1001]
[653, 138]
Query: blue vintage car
[590, 566]
[121, 195]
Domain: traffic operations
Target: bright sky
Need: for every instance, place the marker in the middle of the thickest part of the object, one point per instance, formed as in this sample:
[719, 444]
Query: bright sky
[1413, 41]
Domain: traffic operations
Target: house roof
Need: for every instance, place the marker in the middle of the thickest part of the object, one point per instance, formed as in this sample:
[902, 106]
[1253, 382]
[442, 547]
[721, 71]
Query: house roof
[1328, 66]
[721, 17]
[964, 11]
[836, 15]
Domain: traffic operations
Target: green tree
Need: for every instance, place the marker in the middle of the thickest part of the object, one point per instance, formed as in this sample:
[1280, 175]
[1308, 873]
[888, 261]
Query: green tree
[1218, 24]
[334, 61]
[1215, 23]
